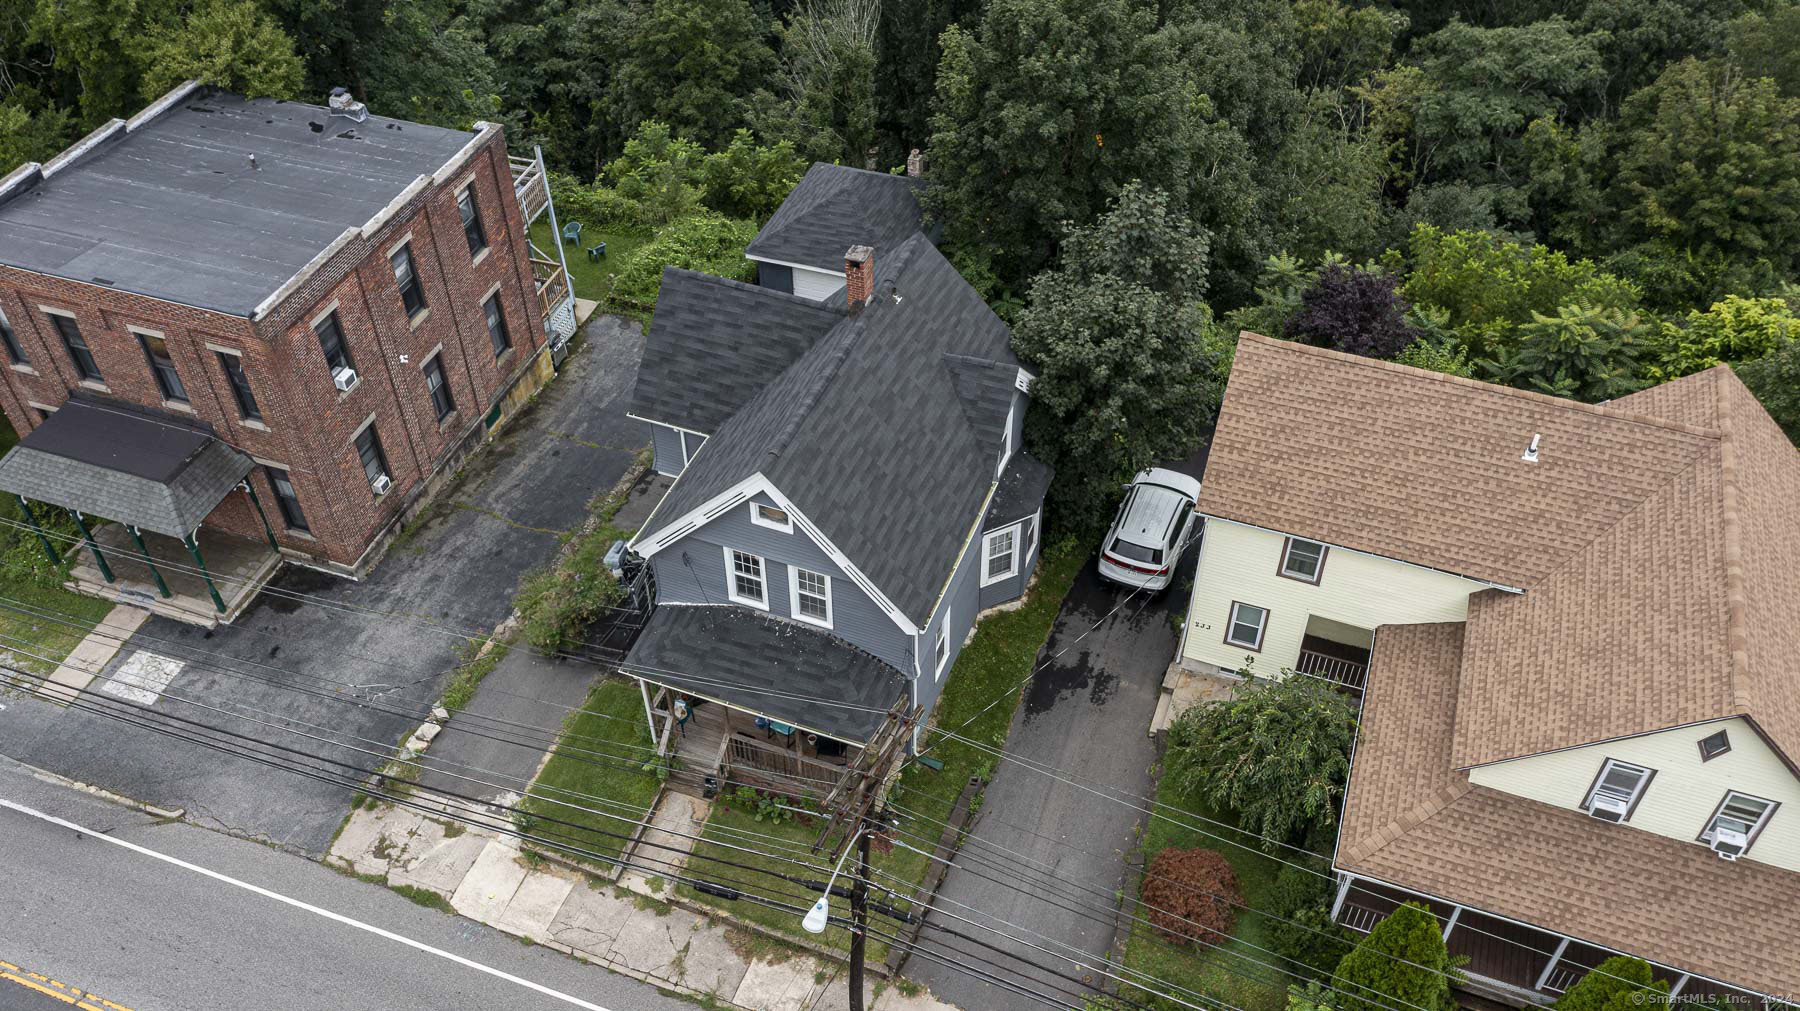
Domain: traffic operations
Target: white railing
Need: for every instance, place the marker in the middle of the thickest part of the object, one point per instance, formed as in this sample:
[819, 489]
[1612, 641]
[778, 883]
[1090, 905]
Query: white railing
[1348, 673]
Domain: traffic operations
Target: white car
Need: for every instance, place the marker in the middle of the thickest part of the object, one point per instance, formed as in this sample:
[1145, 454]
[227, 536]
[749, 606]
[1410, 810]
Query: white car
[1156, 522]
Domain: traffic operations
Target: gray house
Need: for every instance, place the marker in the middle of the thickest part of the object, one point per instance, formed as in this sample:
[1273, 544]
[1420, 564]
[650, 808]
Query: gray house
[850, 495]
[801, 249]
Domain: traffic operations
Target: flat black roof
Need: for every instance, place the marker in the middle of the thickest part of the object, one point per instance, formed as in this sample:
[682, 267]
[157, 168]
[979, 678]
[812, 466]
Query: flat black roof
[174, 210]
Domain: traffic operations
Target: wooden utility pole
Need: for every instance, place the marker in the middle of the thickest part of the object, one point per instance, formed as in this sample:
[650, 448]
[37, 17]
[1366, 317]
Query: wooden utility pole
[859, 919]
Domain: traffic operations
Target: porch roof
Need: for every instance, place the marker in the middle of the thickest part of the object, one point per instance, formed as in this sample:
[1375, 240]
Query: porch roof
[767, 666]
[144, 468]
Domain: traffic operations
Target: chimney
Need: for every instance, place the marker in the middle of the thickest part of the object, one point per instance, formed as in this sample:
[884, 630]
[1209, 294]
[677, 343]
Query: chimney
[859, 276]
[915, 163]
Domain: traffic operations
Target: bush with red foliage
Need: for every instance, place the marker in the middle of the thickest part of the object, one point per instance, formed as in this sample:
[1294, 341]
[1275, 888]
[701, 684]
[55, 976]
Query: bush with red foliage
[1192, 895]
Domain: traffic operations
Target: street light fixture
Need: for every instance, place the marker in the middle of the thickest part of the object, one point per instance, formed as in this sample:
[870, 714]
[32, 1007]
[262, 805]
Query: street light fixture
[819, 915]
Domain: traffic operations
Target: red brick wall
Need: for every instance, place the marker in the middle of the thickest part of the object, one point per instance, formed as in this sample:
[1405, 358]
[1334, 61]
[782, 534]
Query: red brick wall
[308, 423]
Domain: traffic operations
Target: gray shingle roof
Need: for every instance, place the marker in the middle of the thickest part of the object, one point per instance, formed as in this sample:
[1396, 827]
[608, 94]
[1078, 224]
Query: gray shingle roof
[715, 343]
[834, 207]
[807, 678]
[174, 209]
[125, 463]
[867, 432]
[1021, 491]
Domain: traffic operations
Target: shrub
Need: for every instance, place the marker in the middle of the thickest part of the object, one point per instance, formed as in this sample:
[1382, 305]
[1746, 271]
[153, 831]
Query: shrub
[1192, 895]
[1300, 927]
[595, 206]
[22, 558]
[1426, 355]
[1735, 329]
[1401, 963]
[1356, 311]
[704, 242]
[1775, 379]
[557, 604]
[1618, 984]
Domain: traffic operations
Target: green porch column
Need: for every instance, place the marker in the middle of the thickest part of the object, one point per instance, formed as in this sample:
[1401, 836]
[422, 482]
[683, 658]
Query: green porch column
[31, 518]
[193, 547]
[88, 536]
[149, 562]
[268, 531]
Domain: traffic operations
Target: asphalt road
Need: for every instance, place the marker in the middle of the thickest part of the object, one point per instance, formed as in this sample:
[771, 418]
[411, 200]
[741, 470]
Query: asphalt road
[284, 669]
[121, 930]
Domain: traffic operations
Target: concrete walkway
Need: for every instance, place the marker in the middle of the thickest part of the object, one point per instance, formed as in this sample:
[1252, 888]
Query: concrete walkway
[92, 654]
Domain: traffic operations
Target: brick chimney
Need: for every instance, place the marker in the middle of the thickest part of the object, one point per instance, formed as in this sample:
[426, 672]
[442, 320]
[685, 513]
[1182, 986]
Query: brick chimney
[915, 163]
[859, 276]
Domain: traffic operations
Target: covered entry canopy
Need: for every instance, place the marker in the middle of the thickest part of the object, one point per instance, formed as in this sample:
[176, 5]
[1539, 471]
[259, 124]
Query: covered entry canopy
[144, 468]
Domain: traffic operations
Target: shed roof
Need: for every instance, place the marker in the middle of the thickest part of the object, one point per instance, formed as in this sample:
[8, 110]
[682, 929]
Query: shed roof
[834, 207]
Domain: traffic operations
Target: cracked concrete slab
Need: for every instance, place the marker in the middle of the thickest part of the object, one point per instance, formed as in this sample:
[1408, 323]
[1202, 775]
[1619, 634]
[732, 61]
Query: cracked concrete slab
[490, 883]
[535, 905]
[373, 841]
[835, 994]
[784, 986]
[711, 966]
[438, 866]
[589, 920]
[652, 942]
[677, 822]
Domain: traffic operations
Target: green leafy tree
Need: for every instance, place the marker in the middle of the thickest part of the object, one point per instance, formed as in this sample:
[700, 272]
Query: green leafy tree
[1300, 928]
[1638, 38]
[1775, 379]
[906, 66]
[1735, 329]
[1425, 354]
[828, 80]
[27, 136]
[1042, 115]
[1620, 983]
[692, 64]
[233, 44]
[422, 60]
[1584, 352]
[1115, 334]
[1342, 44]
[1401, 962]
[1766, 43]
[750, 180]
[1277, 755]
[662, 173]
[704, 242]
[92, 44]
[1313, 996]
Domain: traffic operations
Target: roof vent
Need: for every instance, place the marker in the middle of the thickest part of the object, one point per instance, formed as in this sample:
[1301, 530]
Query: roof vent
[342, 104]
[1531, 451]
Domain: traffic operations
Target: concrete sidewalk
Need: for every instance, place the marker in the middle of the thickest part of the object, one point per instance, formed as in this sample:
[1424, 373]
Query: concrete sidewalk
[626, 927]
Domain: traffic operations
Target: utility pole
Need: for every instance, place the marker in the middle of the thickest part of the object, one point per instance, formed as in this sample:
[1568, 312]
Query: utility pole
[859, 919]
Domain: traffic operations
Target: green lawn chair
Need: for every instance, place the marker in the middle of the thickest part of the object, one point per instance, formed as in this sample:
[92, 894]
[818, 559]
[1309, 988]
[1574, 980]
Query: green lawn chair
[597, 252]
[572, 232]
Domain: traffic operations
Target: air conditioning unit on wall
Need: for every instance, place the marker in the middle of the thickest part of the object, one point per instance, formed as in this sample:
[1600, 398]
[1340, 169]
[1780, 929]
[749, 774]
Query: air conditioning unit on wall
[381, 485]
[1729, 843]
[1606, 808]
[344, 378]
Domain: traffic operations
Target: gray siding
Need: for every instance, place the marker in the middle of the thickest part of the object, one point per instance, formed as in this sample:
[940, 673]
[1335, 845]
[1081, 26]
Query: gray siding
[1020, 403]
[776, 276]
[854, 617]
[667, 443]
[956, 612]
[1010, 588]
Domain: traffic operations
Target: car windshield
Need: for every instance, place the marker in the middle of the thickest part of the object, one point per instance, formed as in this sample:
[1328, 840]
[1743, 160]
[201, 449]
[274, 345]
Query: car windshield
[1136, 552]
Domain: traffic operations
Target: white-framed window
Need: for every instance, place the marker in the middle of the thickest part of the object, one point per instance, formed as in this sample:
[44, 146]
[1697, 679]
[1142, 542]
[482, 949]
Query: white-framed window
[1714, 745]
[1616, 790]
[745, 579]
[809, 595]
[1303, 560]
[1000, 554]
[1739, 812]
[690, 445]
[773, 517]
[1006, 446]
[941, 652]
[1246, 625]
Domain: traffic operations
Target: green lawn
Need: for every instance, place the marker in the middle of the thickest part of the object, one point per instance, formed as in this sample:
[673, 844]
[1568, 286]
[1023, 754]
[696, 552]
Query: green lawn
[994, 665]
[588, 276]
[1219, 972]
[612, 722]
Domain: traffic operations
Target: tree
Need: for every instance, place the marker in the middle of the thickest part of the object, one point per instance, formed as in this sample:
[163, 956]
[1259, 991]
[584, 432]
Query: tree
[692, 64]
[1342, 44]
[1775, 379]
[1115, 334]
[662, 173]
[1042, 115]
[1735, 329]
[1300, 927]
[828, 80]
[1766, 43]
[1277, 755]
[906, 67]
[1423, 354]
[750, 180]
[1584, 352]
[1620, 983]
[1401, 962]
[25, 136]
[233, 44]
[1355, 310]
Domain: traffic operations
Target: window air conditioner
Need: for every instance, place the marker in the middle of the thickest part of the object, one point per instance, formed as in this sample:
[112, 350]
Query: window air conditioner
[381, 485]
[344, 378]
[1729, 843]
[1607, 808]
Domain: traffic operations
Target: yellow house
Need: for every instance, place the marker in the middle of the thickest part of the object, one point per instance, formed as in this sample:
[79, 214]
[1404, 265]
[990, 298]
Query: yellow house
[1575, 630]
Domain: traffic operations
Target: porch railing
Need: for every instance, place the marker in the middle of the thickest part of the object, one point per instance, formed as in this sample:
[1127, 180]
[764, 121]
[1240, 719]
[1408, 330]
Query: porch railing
[794, 772]
[1348, 673]
[531, 186]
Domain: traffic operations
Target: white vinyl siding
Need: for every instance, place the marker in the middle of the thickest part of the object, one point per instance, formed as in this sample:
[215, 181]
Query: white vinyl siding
[817, 285]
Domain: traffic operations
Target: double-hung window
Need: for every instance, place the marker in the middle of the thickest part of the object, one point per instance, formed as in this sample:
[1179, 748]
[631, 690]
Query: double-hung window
[412, 294]
[374, 461]
[1000, 555]
[1246, 625]
[83, 359]
[471, 220]
[810, 595]
[14, 351]
[1303, 560]
[162, 365]
[496, 324]
[287, 499]
[1616, 790]
[745, 582]
[1739, 813]
[240, 386]
[439, 388]
[331, 341]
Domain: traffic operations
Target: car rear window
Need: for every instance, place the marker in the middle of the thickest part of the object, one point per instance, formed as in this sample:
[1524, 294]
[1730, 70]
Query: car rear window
[1136, 552]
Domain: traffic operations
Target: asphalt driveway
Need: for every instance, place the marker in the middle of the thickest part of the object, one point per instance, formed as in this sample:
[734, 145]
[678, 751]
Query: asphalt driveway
[289, 672]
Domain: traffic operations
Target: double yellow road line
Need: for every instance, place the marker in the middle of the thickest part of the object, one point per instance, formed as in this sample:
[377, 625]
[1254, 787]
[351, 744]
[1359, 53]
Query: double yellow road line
[74, 996]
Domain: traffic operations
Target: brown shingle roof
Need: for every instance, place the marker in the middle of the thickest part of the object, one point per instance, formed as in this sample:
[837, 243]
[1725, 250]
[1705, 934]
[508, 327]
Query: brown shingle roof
[1411, 819]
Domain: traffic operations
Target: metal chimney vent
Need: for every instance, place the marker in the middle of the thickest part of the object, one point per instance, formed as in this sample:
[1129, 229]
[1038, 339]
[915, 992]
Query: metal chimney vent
[1531, 451]
[342, 104]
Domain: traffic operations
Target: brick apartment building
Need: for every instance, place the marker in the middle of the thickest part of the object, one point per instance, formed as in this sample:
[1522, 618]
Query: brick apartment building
[344, 304]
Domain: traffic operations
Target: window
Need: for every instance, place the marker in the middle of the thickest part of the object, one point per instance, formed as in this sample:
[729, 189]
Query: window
[1616, 790]
[240, 386]
[744, 575]
[78, 349]
[439, 389]
[14, 351]
[1006, 442]
[412, 295]
[1713, 746]
[943, 644]
[287, 499]
[1739, 812]
[471, 220]
[496, 322]
[1246, 625]
[374, 461]
[1303, 560]
[771, 517]
[810, 596]
[1000, 555]
[156, 349]
[331, 340]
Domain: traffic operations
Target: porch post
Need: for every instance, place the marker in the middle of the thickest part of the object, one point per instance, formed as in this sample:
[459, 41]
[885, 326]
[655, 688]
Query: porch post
[1450, 924]
[31, 517]
[148, 561]
[1680, 984]
[267, 530]
[649, 713]
[1544, 977]
[1337, 904]
[86, 535]
[193, 547]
